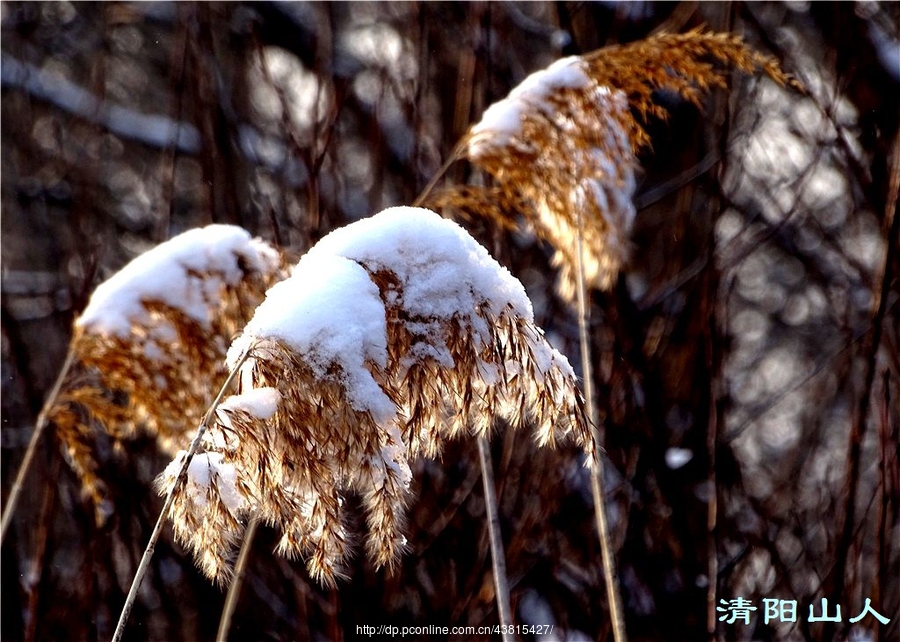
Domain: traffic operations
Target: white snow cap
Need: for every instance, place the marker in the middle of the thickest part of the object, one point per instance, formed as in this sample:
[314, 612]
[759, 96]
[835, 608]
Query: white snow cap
[169, 274]
[330, 312]
[441, 267]
[503, 120]
[205, 470]
[258, 402]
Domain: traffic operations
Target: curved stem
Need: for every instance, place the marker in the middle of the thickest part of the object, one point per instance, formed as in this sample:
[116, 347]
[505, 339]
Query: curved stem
[234, 591]
[498, 557]
[170, 499]
[41, 423]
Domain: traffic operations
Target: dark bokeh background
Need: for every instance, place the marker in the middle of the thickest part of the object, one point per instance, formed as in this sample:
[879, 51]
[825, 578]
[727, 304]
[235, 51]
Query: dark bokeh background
[747, 362]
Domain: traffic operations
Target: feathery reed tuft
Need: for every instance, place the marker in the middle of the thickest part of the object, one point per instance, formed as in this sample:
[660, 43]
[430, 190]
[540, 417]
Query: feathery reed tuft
[392, 335]
[563, 143]
[152, 340]
[560, 140]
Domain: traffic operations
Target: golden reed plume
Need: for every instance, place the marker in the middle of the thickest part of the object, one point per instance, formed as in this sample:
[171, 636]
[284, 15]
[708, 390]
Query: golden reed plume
[392, 335]
[151, 344]
[561, 147]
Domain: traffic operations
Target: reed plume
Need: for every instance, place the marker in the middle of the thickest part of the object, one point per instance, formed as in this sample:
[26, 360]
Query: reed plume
[562, 146]
[391, 336]
[153, 339]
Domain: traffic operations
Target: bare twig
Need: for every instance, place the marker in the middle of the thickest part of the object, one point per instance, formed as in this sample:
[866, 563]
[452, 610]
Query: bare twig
[457, 153]
[712, 443]
[39, 561]
[170, 498]
[887, 488]
[870, 352]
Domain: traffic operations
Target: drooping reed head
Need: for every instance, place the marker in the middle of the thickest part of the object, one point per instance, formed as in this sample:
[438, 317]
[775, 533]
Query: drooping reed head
[560, 139]
[392, 335]
[150, 345]
[561, 147]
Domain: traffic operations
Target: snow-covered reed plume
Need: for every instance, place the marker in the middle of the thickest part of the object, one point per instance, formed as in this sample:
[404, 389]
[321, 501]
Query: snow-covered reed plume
[561, 146]
[392, 335]
[561, 139]
[149, 347]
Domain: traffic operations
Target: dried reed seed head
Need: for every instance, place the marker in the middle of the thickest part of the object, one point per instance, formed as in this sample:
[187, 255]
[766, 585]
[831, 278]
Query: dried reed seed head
[295, 449]
[560, 141]
[208, 514]
[475, 203]
[73, 415]
[564, 140]
[304, 428]
[687, 64]
[168, 381]
[156, 335]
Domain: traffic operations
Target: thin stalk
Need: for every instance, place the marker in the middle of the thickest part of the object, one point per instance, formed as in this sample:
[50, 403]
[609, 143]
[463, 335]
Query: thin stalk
[455, 155]
[723, 19]
[41, 423]
[498, 557]
[882, 544]
[170, 499]
[234, 591]
[606, 547]
[712, 508]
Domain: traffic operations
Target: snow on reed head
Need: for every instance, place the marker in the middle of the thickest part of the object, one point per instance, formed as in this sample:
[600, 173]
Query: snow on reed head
[441, 271]
[559, 139]
[391, 335]
[561, 146]
[501, 123]
[186, 274]
[156, 334]
[330, 312]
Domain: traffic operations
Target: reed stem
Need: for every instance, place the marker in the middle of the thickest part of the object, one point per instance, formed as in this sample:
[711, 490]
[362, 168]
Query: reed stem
[606, 547]
[170, 499]
[237, 582]
[498, 557]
